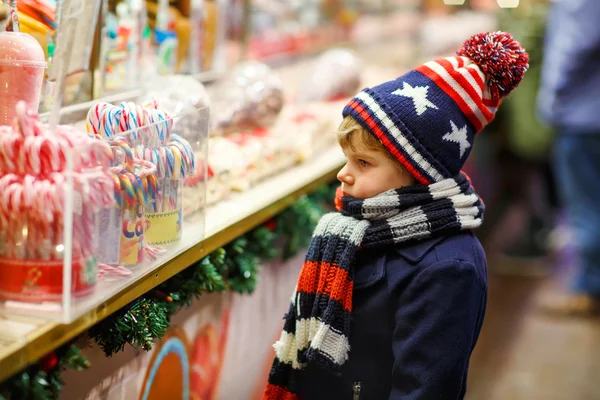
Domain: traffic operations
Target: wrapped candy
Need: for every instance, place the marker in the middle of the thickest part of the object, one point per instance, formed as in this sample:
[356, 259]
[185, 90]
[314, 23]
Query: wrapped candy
[227, 168]
[176, 94]
[250, 98]
[334, 75]
[306, 129]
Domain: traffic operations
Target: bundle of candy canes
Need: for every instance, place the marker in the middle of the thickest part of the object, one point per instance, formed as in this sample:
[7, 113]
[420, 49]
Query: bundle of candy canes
[34, 173]
[135, 180]
[135, 186]
[107, 120]
[148, 130]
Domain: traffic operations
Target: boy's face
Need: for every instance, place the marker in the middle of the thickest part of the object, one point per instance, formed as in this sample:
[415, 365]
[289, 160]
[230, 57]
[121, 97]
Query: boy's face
[369, 172]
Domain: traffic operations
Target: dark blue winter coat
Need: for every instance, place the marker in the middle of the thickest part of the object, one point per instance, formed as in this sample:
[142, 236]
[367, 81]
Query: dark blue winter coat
[417, 314]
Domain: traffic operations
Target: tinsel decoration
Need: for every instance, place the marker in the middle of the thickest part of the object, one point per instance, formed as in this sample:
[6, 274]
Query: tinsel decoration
[202, 277]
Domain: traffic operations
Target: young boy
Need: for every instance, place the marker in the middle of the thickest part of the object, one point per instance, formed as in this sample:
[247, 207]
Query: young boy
[391, 297]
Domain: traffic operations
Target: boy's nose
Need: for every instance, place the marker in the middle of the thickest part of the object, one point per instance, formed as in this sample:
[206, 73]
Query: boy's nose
[344, 177]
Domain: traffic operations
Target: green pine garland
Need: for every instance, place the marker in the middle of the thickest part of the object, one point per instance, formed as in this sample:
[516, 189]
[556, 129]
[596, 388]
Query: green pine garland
[234, 267]
[139, 324]
[42, 381]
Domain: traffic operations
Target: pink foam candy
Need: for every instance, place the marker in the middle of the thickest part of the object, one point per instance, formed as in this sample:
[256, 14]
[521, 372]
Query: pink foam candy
[22, 65]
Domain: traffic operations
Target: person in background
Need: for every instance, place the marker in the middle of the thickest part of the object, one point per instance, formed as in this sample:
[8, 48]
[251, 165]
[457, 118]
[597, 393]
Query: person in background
[525, 208]
[569, 100]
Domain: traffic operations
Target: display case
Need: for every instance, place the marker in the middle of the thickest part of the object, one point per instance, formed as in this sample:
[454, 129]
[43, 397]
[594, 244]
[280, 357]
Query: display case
[86, 214]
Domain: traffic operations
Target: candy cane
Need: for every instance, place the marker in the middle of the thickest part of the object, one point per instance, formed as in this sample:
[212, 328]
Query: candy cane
[119, 270]
[33, 175]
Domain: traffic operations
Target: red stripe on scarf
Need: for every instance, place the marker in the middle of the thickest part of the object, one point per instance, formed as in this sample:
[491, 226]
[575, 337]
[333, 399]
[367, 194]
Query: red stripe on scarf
[327, 279]
[339, 193]
[274, 392]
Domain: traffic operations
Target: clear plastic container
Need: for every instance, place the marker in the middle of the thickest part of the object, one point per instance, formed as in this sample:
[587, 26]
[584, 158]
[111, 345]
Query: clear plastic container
[32, 254]
[50, 196]
[84, 241]
[22, 66]
[163, 219]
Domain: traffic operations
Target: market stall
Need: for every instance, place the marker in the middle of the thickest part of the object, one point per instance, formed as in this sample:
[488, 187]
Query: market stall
[191, 154]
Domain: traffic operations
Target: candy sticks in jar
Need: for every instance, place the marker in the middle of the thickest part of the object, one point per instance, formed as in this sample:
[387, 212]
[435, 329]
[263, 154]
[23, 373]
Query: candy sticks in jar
[138, 188]
[174, 162]
[148, 131]
[33, 174]
[134, 186]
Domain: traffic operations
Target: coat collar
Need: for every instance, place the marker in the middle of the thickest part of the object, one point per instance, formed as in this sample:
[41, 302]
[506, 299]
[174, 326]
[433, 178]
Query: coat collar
[414, 251]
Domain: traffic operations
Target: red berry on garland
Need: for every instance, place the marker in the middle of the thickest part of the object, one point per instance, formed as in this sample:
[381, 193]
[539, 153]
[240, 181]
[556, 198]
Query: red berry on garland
[271, 225]
[49, 362]
[500, 57]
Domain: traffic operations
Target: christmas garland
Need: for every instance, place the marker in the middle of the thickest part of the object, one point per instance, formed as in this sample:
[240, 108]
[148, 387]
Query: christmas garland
[234, 267]
[43, 380]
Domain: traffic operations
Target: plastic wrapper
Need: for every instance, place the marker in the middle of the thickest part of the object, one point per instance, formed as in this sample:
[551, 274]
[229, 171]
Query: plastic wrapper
[227, 169]
[251, 97]
[334, 75]
[306, 129]
[179, 95]
[176, 94]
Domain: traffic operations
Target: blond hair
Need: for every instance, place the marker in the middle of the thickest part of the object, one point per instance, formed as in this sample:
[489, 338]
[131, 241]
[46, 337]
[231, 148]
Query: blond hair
[350, 129]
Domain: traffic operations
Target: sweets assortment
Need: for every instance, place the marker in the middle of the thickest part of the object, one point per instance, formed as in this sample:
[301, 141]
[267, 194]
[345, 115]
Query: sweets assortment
[125, 180]
[36, 167]
[146, 136]
[239, 160]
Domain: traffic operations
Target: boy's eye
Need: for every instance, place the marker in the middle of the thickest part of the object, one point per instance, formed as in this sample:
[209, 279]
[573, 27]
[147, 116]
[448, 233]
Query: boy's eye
[363, 163]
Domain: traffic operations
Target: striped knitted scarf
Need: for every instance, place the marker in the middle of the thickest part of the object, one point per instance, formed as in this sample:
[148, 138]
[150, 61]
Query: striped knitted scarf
[317, 326]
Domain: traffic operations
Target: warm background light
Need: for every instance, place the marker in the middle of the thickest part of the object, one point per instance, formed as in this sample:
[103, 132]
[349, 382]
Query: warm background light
[508, 3]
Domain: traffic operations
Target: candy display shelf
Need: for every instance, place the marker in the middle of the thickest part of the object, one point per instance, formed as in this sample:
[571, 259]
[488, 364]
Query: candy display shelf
[24, 340]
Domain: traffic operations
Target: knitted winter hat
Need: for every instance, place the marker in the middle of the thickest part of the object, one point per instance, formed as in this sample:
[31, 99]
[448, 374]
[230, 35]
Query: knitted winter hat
[428, 118]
